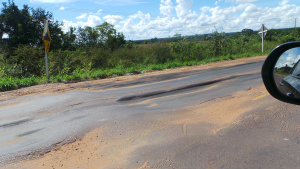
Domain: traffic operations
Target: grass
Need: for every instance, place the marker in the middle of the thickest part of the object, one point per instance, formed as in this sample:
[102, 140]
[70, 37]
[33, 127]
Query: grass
[10, 83]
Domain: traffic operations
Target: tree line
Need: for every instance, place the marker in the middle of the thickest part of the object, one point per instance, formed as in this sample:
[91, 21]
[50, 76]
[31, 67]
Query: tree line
[24, 27]
[21, 45]
[89, 49]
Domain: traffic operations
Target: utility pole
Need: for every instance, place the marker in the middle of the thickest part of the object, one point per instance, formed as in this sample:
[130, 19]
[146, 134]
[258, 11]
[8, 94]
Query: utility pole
[295, 22]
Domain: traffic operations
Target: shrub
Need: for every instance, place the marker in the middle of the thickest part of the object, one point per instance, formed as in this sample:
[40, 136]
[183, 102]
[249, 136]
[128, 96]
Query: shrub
[26, 60]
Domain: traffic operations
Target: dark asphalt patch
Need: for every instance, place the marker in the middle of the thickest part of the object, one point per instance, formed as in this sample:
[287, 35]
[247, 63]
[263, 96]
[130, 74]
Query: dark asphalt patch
[161, 92]
[28, 133]
[77, 118]
[156, 78]
[15, 123]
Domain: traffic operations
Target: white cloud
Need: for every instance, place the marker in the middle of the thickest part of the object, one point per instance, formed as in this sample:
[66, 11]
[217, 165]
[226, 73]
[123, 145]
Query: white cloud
[238, 16]
[99, 2]
[112, 19]
[62, 8]
[93, 21]
[244, 1]
[205, 9]
[144, 18]
[99, 12]
[288, 58]
[166, 8]
[183, 7]
[240, 1]
[217, 2]
[119, 2]
[83, 16]
[284, 2]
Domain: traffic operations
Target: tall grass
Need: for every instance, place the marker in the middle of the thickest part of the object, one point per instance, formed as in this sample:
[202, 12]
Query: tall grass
[11, 83]
[97, 63]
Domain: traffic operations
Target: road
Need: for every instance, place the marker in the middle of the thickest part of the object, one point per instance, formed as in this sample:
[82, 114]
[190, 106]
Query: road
[220, 117]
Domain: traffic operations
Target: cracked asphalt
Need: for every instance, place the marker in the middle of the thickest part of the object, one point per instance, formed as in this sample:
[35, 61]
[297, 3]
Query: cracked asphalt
[220, 117]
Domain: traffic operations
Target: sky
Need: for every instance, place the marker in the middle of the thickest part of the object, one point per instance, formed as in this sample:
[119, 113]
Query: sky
[289, 58]
[146, 19]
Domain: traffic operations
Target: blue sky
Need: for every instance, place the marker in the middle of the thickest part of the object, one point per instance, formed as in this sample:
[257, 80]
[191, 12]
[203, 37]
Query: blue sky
[290, 57]
[145, 19]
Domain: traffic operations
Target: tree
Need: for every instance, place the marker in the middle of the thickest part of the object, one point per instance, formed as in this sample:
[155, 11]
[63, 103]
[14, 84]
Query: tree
[16, 24]
[88, 36]
[106, 30]
[24, 27]
[82, 36]
[103, 35]
[177, 37]
[92, 35]
[110, 37]
[248, 31]
[39, 16]
[23, 47]
[69, 39]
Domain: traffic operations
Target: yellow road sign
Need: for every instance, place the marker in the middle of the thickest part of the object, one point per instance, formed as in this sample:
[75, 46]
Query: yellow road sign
[47, 45]
[46, 37]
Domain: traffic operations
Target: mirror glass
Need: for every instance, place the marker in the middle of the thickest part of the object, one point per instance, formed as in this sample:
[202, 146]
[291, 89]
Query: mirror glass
[287, 73]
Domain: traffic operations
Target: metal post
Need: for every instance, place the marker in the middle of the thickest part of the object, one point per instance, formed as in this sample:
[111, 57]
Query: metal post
[46, 60]
[262, 44]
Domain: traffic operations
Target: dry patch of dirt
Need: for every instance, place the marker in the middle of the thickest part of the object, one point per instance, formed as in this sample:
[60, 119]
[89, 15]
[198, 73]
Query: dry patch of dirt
[222, 112]
[79, 154]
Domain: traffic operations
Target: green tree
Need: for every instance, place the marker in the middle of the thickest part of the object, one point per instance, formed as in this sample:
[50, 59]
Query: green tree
[82, 37]
[93, 36]
[16, 23]
[106, 30]
[88, 36]
[110, 37]
[39, 16]
[69, 40]
[24, 27]
[26, 61]
[24, 46]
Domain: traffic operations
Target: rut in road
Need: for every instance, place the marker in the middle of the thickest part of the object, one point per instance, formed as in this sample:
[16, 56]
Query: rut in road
[169, 92]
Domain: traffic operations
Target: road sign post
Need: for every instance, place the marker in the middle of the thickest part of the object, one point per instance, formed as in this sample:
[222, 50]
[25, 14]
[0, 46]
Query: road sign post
[262, 33]
[46, 62]
[47, 40]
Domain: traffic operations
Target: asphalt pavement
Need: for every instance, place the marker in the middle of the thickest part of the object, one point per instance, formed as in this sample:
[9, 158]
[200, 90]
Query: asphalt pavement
[32, 125]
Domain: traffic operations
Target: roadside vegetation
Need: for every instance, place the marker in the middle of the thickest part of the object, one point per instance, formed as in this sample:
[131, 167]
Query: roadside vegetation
[101, 51]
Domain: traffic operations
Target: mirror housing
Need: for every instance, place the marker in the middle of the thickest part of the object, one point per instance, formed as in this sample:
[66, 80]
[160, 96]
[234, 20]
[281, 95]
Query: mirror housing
[268, 71]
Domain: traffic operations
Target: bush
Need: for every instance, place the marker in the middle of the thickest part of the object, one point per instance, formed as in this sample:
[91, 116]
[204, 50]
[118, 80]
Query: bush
[26, 61]
[161, 53]
[65, 62]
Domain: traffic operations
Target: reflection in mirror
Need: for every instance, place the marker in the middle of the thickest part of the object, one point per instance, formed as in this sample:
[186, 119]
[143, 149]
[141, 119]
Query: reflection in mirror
[287, 73]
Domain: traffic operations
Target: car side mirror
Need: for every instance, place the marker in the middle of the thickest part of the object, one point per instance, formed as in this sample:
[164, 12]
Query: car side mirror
[281, 72]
